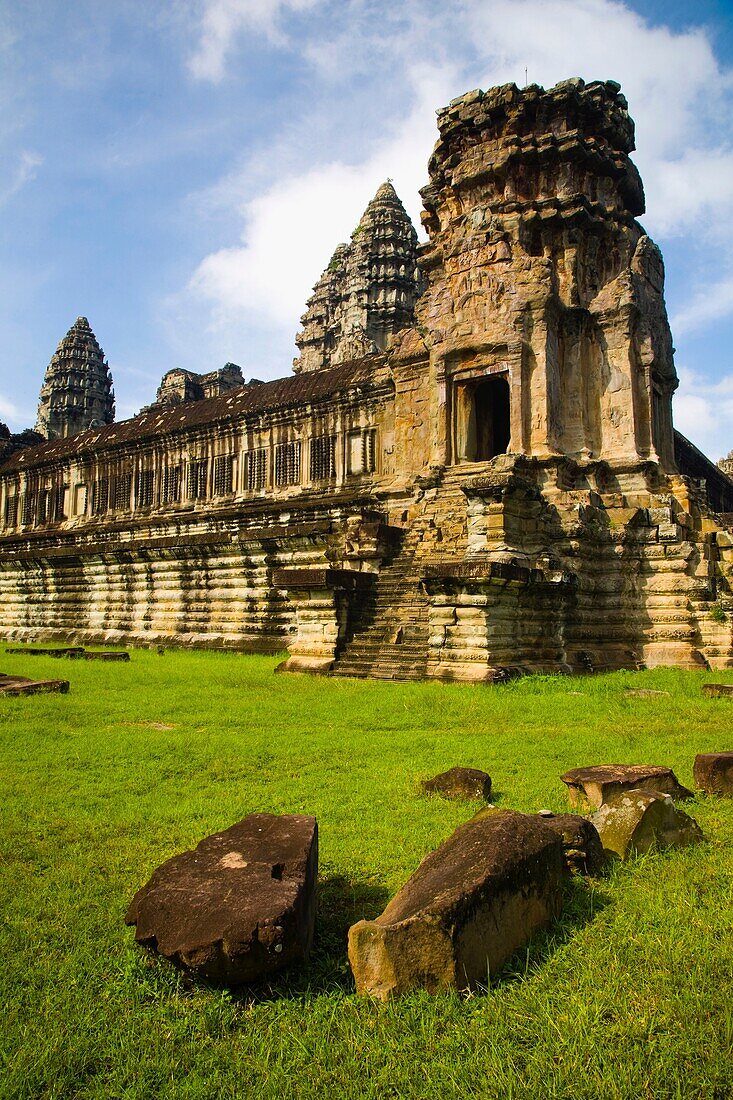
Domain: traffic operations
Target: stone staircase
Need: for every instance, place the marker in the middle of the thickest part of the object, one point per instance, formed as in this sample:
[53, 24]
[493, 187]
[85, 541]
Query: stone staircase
[389, 633]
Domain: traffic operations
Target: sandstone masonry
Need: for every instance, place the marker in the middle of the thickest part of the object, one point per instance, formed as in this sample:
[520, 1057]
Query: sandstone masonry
[472, 471]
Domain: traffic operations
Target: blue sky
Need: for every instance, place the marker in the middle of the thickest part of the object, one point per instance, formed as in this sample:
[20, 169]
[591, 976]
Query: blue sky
[180, 172]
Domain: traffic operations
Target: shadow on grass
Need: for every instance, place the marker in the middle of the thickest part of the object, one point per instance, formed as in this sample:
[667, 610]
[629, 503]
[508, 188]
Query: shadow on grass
[342, 901]
[583, 899]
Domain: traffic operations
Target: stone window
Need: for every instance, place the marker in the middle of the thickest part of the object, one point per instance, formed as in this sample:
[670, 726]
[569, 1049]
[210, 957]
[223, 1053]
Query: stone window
[223, 475]
[59, 502]
[171, 483]
[255, 469]
[144, 488]
[11, 511]
[28, 513]
[287, 463]
[123, 487]
[44, 505]
[361, 451]
[198, 476]
[323, 458]
[80, 500]
[100, 496]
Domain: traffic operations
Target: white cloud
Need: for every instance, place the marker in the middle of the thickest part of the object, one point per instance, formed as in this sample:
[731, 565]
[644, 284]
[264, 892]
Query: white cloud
[24, 171]
[294, 214]
[703, 411]
[292, 228]
[222, 22]
[709, 304]
[13, 415]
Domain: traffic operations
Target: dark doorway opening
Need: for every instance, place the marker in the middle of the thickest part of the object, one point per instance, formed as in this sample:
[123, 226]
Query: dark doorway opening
[487, 429]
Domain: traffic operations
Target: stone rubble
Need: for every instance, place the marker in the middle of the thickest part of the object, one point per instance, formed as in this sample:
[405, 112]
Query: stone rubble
[21, 685]
[238, 908]
[588, 788]
[467, 908]
[582, 845]
[459, 783]
[713, 772]
[635, 822]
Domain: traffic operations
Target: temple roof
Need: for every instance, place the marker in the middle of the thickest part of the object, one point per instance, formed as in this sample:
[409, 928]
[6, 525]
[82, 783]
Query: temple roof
[255, 398]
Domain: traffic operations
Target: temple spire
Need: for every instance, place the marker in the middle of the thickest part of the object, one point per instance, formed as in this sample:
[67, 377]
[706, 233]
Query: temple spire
[77, 388]
[368, 291]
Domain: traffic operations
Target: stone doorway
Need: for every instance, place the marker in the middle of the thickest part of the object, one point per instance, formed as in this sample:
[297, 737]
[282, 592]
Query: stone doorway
[483, 423]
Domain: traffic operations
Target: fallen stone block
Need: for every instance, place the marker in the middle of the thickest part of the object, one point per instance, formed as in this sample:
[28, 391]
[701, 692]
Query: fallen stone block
[64, 651]
[581, 843]
[717, 691]
[713, 772]
[645, 693]
[121, 656]
[21, 685]
[468, 907]
[589, 788]
[634, 822]
[460, 783]
[238, 908]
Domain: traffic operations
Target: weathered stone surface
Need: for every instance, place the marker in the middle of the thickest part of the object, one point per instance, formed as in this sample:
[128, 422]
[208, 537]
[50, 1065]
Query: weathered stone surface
[713, 772]
[122, 655]
[460, 783]
[581, 843]
[718, 691]
[21, 685]
[467, 908]
[589, 788]
[240, 906]
[636, 821]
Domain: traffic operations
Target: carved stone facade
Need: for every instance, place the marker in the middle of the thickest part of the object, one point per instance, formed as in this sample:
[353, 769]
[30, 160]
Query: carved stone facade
[499, 489]
[77, 390]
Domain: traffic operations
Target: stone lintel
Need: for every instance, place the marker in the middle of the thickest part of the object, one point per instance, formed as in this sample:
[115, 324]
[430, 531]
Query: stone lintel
[482, 571]
[320, 578]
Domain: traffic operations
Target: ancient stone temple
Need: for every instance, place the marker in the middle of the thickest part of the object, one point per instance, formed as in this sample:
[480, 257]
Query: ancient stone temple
[473, 470]
[77, 390]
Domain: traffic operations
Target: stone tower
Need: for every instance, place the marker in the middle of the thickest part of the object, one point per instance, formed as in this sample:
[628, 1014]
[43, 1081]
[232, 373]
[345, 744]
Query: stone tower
[545, 326]
[368, 291]
[77, 389]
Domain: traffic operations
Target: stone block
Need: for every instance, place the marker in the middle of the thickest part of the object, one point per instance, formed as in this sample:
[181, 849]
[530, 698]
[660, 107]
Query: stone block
[238, 908]
[459, 783]
[467, 908]
[636, 821]
[589, 788]
[718, 691]
[582, 845]
[21, 685]
[713, 772]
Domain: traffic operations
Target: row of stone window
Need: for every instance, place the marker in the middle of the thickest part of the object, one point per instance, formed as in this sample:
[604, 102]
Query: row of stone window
[48, 505]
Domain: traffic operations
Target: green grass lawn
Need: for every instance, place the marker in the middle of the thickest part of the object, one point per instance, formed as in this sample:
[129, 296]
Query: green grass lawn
[630, 995]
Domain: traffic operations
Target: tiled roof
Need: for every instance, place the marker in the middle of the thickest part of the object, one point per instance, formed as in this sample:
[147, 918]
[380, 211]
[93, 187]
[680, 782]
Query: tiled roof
[297, 389]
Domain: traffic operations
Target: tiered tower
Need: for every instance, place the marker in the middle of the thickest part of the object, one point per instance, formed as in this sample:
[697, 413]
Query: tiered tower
[368, 291]
[544, 317]
[77, 389]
